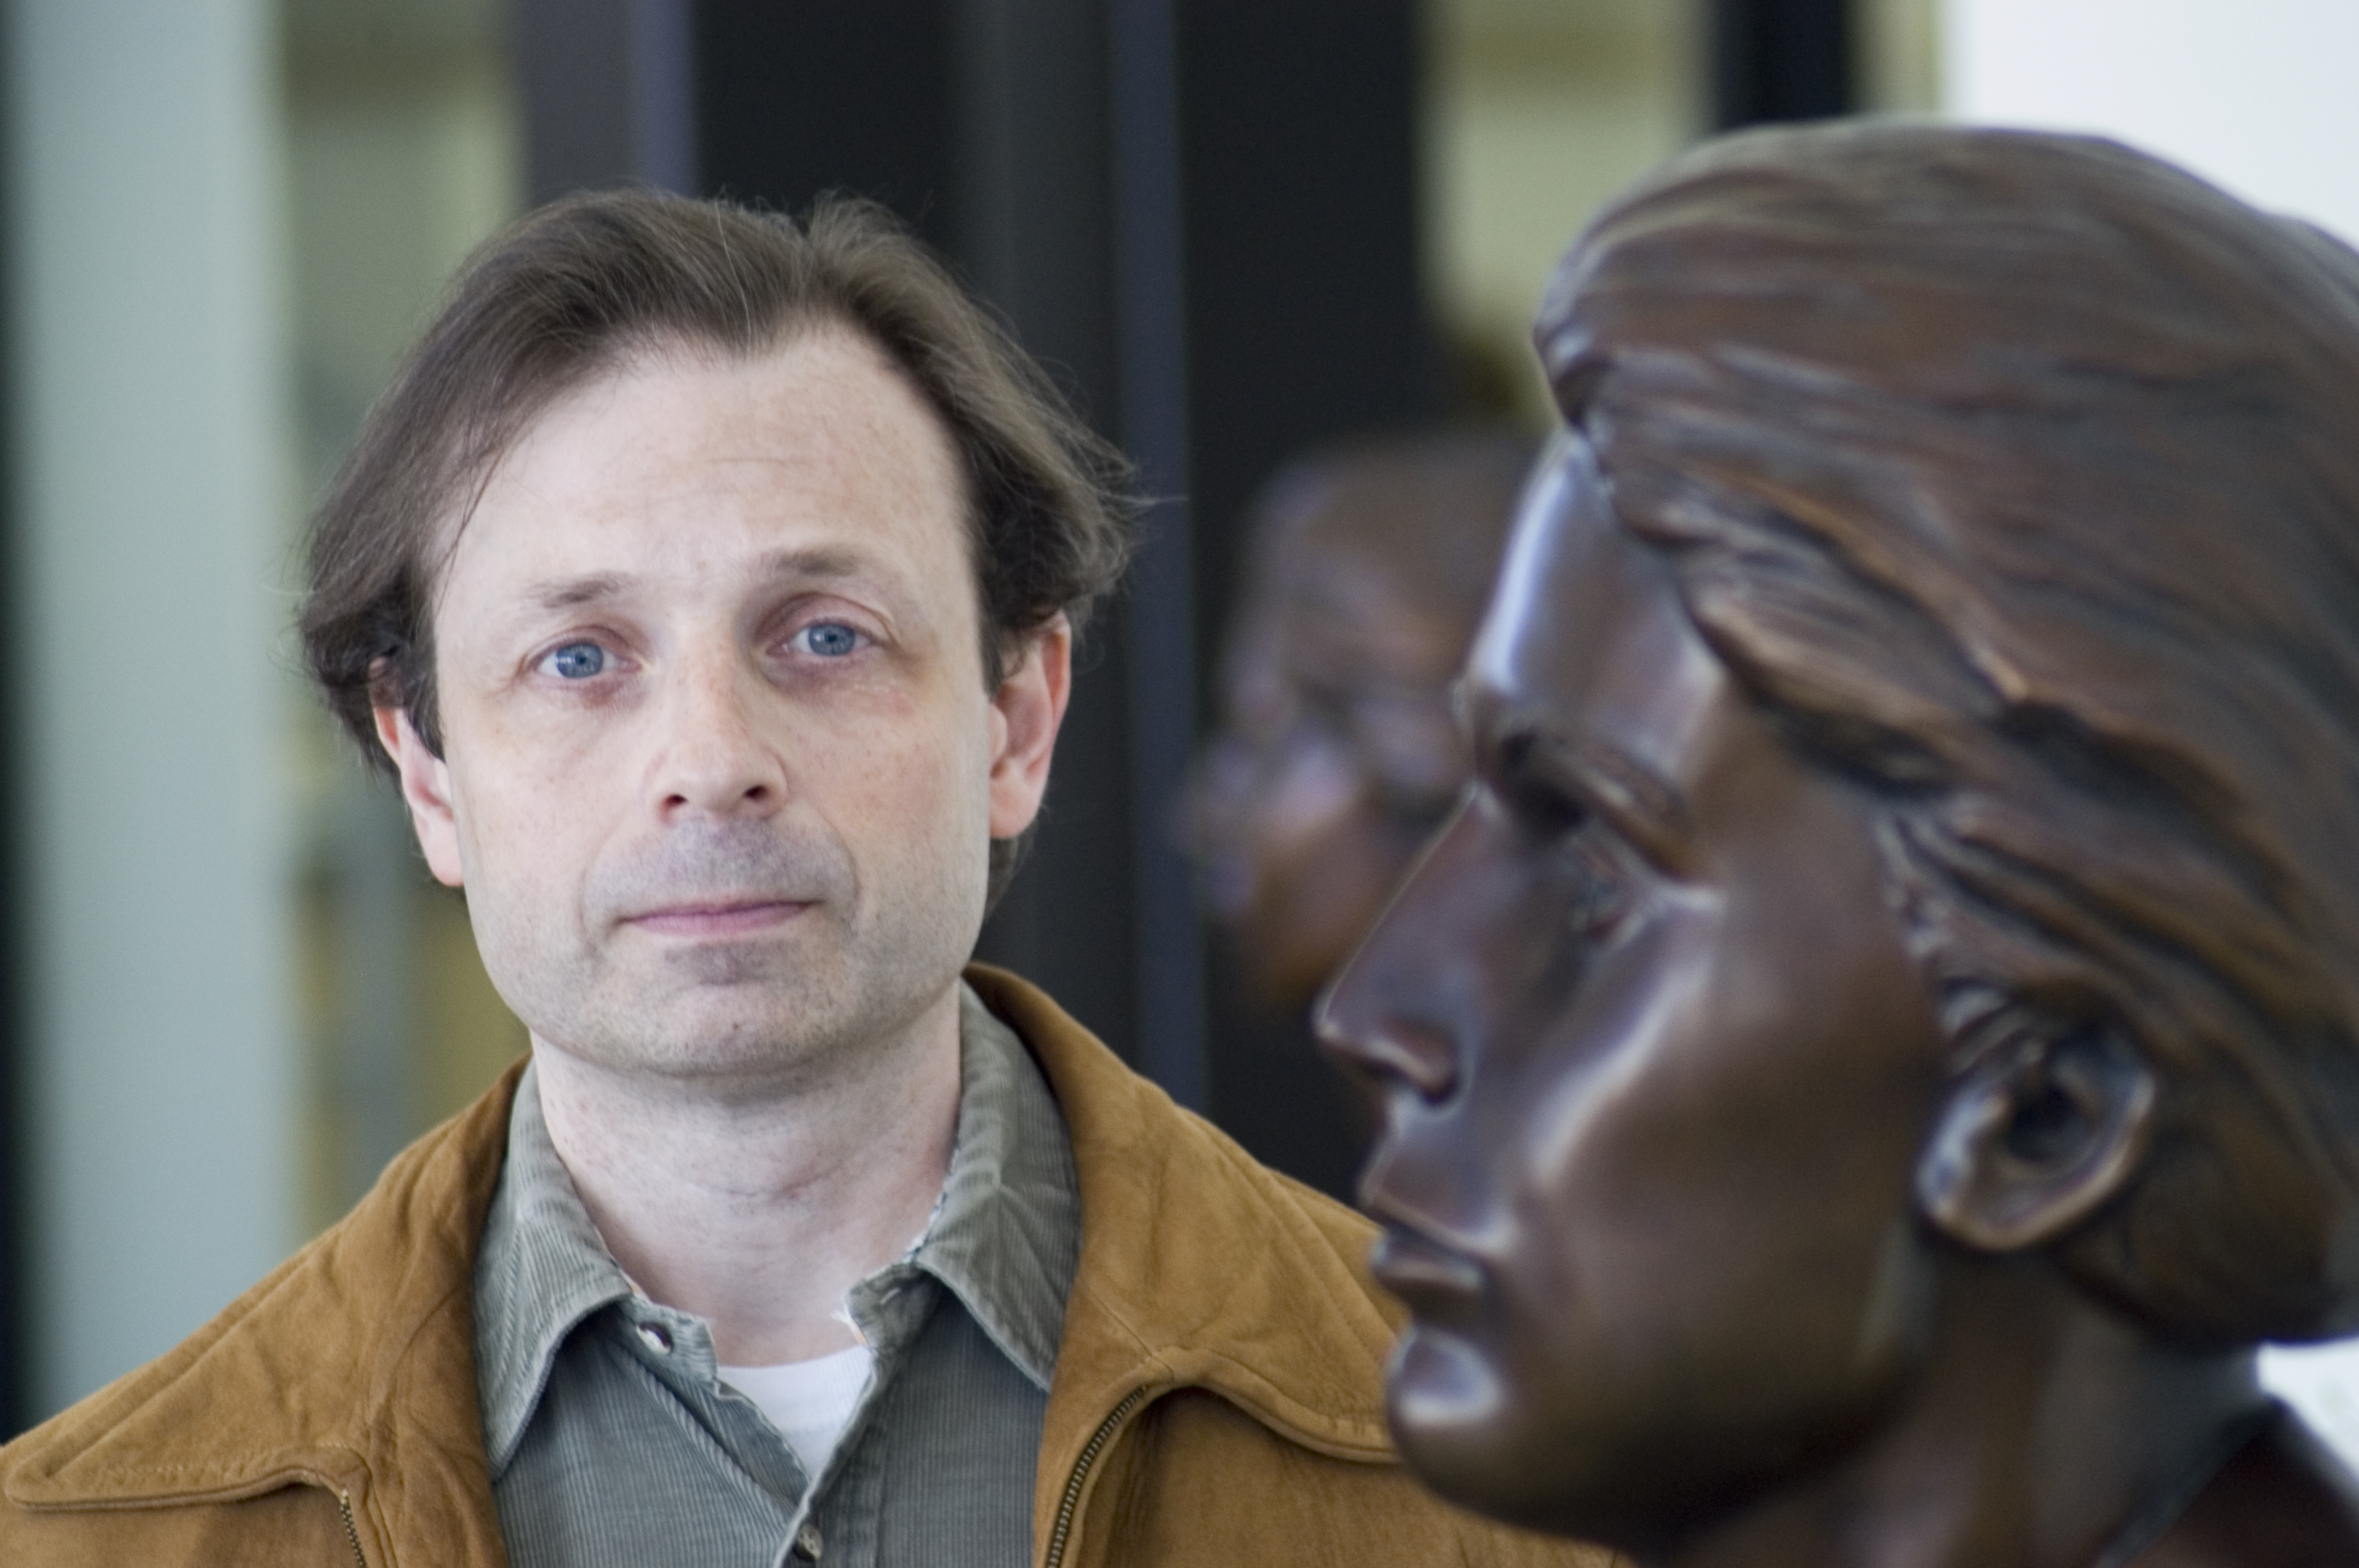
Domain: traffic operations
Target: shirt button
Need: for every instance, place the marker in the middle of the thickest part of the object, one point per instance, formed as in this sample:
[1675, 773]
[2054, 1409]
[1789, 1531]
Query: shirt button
[806, 1542]
[658, 1340]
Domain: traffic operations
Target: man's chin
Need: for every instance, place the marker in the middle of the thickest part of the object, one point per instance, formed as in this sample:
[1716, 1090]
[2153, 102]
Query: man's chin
[768, 959]
[717, 1029]
[772, 1024]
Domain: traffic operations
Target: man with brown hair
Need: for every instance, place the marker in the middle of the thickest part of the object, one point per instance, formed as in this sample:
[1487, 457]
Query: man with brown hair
[709, 584]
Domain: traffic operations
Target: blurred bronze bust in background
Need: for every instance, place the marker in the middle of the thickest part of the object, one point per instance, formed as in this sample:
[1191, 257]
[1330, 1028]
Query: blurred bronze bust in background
[1337, 756]
[1880, 1043]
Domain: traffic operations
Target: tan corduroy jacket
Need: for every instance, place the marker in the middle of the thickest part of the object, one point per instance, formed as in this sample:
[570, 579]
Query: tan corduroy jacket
[1217, 1399]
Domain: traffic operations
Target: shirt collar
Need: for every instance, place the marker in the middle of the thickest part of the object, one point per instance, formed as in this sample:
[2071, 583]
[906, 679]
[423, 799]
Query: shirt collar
[1005, 1237]
[540, 1268]
[1007, 1234]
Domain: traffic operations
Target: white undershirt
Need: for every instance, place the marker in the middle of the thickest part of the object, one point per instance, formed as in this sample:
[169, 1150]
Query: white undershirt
[809, 1401]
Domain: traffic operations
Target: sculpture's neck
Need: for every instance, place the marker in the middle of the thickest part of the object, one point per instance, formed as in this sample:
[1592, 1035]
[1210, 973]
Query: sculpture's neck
[2045, 1431]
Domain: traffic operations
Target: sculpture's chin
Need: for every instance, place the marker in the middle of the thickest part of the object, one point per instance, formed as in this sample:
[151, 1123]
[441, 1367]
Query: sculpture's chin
[1442, 1388]
[1458, 1426]
[1573, 1472]
[1582, 1457]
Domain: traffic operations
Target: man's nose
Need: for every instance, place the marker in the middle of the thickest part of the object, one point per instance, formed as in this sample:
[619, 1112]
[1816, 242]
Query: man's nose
[1387, 1015]
[712, 755]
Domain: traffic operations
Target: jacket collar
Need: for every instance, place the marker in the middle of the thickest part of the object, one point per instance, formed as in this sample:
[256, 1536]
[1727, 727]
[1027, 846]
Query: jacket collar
[351, 1365]
[1199, 1268]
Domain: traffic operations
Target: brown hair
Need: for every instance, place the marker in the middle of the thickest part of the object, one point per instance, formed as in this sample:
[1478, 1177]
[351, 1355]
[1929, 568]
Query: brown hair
[2018, 475]
[573, 289]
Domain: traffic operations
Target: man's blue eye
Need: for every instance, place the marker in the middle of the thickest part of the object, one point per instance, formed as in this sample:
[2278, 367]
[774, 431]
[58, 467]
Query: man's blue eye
[829, 640]
[578, 661]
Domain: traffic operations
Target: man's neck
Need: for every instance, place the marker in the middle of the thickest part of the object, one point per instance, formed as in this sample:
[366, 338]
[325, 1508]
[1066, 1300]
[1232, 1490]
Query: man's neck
[758, 1210]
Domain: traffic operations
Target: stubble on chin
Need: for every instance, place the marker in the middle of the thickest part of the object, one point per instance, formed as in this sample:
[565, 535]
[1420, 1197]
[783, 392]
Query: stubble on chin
[813, 999]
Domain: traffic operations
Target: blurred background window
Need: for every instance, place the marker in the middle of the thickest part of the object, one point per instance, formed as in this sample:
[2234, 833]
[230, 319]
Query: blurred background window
[404, 148]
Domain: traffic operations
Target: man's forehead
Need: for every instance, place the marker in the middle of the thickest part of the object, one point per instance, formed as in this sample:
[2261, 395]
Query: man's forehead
[825, 394]
[678, 424]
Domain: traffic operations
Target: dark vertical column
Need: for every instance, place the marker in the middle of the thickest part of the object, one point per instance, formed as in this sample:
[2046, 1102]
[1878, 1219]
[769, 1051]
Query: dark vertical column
[1031, 184]
[1307, 314]
[1780, 59]
[573, 68]
[846, 95]
[663, 100]
[606, 93]
[1306, 323]
[1152, 313]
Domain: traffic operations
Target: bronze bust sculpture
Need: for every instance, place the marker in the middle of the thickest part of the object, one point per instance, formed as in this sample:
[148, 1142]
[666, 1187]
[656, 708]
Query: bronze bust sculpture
[1336, 757]
[1879, 1045]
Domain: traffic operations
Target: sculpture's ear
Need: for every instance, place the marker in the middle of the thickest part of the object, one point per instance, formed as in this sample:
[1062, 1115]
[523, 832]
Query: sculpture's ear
[2035, 1140]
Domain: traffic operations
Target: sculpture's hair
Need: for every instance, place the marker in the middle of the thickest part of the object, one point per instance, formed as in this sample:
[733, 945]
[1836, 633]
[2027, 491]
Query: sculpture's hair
[1431, 507]
[2018, 475]
[572, 292]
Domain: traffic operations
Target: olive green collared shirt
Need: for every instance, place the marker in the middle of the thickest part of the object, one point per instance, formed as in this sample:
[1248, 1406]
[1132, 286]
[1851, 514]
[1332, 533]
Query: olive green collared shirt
[612, 1440]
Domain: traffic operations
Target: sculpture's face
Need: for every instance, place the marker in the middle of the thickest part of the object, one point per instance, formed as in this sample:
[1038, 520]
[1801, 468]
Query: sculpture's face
[1336, 758]
[1656, 1068]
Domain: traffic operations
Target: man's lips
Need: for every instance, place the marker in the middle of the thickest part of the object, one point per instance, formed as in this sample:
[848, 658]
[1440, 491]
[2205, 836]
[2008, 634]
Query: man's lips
[720, 918]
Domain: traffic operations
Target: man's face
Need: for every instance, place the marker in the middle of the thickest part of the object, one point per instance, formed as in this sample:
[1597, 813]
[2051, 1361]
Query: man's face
[720, 769]
[1657, 1072]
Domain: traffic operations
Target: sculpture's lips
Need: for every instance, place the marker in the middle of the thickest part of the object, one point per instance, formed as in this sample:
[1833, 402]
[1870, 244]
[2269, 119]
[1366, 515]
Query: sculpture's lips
[717, 917]
[1422, 1272]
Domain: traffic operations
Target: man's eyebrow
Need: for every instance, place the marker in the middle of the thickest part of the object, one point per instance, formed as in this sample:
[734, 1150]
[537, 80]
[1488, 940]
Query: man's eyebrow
[817, 561]
[820, 562]
[573, 592]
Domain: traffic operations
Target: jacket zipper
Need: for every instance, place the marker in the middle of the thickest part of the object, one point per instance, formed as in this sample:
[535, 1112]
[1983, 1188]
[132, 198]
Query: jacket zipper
[1072, 1497]
[352, 1531]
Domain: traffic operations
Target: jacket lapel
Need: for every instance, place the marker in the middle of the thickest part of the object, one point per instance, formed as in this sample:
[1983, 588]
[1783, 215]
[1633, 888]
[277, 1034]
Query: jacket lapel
[1199, 1266]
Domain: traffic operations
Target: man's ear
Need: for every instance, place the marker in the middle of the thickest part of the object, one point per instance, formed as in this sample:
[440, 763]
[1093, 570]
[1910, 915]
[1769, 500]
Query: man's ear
[1026, 712]
[426, 786]
[2037, 1140]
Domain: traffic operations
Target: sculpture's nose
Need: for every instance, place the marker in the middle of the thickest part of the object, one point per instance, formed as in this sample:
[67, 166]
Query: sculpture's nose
[1382, 1017]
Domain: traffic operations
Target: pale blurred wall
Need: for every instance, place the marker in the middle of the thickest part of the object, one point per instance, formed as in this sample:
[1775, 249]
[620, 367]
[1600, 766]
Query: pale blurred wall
[2257, 96]
[403, 150]
[227, 219]
[150, 479]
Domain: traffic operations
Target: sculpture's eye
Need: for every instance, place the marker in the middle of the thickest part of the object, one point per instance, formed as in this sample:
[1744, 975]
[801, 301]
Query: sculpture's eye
[1601, 890]
[828, 639]
[1561, 828]
[1544, 806]
[576, 661]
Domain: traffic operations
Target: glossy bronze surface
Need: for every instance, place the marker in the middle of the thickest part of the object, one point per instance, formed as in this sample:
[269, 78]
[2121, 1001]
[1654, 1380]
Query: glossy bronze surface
[1879, 1044]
